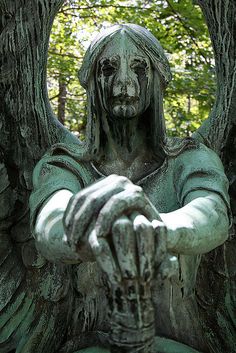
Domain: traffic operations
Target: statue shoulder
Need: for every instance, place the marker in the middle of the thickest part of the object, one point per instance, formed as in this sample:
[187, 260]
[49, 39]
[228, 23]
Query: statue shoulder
[197, 167]
[60, 168]
[184, 148]
[65, 158]
[193, 154]
[175, 146]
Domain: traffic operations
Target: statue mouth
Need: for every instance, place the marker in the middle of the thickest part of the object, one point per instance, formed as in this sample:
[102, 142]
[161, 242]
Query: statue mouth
[124, 100]
[124, 110]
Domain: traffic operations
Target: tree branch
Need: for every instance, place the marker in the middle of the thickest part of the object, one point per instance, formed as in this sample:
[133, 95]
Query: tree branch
[67, 55]
[188, 30]
[105, 6]
[54, 97]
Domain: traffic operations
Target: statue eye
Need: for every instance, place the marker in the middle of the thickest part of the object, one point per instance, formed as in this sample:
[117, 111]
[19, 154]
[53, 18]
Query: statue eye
[107, 68]
[139, 67]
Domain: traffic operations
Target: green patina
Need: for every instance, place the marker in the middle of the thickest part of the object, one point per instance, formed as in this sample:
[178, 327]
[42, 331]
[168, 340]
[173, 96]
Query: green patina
[126, 136]
[119, 222]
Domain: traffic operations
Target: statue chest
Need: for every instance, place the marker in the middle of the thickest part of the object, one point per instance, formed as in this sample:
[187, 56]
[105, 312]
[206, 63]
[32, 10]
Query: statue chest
[160, 189]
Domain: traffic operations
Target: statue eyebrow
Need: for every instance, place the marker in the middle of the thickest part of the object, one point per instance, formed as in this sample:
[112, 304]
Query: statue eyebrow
[140, 59]
[112, 59]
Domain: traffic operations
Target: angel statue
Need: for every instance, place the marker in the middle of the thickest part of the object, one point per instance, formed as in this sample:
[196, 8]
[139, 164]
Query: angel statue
[119, 224]
[128, 194]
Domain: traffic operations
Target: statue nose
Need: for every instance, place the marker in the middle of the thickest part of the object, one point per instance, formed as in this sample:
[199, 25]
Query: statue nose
[124, 83]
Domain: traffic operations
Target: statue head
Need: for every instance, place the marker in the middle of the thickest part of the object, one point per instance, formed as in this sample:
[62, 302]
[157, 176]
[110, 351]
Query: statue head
[124, 78]
[125, 73]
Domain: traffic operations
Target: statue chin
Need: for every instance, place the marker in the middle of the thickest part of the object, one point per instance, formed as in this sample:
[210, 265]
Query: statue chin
[124, 111]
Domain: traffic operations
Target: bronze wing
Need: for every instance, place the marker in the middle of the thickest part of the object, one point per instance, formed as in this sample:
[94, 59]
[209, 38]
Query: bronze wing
[216, 287]
[34, 294]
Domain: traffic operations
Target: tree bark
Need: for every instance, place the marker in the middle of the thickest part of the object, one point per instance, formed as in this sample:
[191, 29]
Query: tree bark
[25, 30]
[62, 100]
[220, 17]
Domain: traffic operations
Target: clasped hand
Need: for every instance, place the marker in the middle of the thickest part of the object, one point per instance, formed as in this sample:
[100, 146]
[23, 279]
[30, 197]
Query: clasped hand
[111, 221]
[115, 223]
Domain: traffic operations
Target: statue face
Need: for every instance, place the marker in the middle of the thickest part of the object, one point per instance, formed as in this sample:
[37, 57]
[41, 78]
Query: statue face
[124, 78]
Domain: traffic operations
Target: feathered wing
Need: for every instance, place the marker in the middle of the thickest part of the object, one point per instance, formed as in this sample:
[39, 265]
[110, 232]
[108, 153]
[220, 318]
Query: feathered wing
[34, 295]
[216, 286]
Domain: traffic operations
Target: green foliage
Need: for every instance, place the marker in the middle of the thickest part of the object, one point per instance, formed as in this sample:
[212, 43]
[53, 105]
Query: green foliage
[180, 28]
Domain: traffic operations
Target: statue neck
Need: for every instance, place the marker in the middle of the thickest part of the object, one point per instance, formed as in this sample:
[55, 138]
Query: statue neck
[124, 140]
[125, 150]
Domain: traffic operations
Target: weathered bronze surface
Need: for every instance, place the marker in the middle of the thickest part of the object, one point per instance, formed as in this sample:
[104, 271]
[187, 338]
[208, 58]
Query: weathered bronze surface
[142, 206]
[120, 223]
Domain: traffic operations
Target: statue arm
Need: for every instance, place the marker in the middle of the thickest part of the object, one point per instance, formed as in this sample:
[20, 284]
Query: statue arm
[202, 221]
[55, 179]
[51, 240]
[198, 227]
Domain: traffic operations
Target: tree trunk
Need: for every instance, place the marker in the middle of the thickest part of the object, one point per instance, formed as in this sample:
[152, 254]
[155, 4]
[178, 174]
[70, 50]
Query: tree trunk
[25, 30]
[221, 21]
[217, 276]
[62, 100]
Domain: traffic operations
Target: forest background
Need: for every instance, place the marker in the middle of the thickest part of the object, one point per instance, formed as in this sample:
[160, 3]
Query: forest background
[177, 24]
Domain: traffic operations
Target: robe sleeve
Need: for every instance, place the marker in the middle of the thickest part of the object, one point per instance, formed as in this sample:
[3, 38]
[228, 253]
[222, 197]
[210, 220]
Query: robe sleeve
[200, 169]
[51, 174]
[55, 179]
[202, 221]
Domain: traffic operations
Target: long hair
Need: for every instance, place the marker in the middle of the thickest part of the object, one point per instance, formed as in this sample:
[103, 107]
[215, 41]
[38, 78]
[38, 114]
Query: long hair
[149, 45]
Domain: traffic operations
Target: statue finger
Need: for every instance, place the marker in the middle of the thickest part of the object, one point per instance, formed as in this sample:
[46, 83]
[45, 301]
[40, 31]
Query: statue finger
[124, 242]
[77, 201]
[105, 258]
[160, 231]
[146, 246]
[169, 268]
[83, 247]
[125, 202]
[89, 204]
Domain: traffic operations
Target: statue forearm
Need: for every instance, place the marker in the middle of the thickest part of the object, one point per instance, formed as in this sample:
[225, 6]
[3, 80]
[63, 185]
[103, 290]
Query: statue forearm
[49, 233]
[198, 227]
